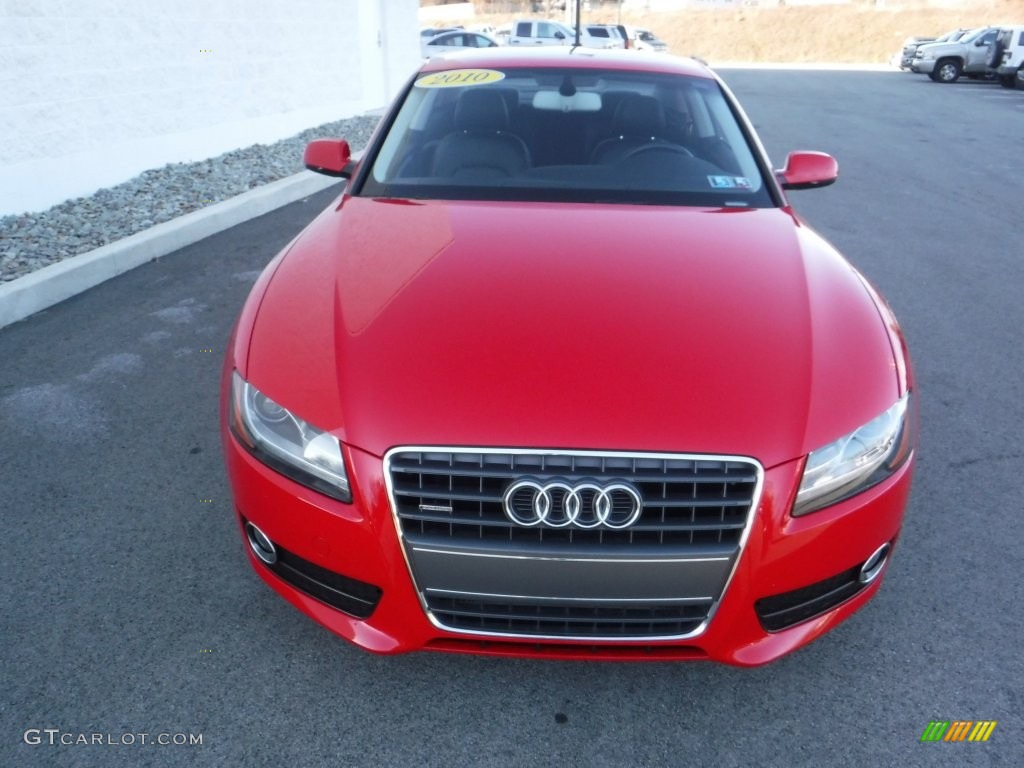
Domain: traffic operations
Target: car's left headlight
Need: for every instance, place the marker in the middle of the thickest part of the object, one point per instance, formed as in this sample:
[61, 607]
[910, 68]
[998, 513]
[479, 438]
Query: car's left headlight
[286, 443]
[857, 461]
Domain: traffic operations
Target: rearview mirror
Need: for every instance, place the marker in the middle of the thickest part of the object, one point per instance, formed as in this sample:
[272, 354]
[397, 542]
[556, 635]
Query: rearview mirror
[580, 101]
[331, 157]
[808, 170]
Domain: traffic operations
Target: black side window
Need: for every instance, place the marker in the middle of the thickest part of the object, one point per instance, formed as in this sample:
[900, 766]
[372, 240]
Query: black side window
[523, 29]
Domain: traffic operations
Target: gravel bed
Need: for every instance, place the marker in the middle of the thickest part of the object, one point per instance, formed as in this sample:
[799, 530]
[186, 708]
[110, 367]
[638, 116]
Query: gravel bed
[31, 241]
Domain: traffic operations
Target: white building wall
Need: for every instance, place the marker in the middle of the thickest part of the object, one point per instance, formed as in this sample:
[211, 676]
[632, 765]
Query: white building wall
[93, 92]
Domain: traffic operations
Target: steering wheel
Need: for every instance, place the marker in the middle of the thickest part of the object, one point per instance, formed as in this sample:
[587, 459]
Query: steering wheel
[674, 149]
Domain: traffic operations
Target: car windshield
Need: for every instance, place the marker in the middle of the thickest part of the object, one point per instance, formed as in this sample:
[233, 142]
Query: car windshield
[970, 36]
[567, 134]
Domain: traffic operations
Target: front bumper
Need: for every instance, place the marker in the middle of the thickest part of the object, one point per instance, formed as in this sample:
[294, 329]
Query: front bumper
[359, 542]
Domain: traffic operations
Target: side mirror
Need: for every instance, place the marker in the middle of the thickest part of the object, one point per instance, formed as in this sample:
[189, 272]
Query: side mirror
[808, 170]
[331, 157]
[560, 35]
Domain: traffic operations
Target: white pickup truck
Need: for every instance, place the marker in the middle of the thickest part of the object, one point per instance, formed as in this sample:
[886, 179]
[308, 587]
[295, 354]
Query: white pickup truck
[971, 55]
[530, 32]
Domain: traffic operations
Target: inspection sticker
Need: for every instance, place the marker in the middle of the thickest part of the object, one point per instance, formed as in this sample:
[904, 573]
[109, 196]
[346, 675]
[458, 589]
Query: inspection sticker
[455, 78]
[729, 182]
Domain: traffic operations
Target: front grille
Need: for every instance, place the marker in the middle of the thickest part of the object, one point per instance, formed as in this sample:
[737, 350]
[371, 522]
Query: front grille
[652, 565]
[687, 502]
[492, 614]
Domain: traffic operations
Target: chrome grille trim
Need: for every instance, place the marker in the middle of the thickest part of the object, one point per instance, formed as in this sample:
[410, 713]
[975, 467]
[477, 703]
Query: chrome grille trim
[570, 558]
[458, 593]
[693, 542]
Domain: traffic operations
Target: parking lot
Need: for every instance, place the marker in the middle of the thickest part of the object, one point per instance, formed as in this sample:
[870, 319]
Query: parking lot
[129, 606]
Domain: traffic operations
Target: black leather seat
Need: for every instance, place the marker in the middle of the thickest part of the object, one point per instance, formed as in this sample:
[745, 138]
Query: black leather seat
[639, 121]
[481, 146]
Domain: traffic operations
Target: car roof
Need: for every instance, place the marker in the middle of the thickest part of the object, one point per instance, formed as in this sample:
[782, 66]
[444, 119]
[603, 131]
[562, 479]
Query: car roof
[566, 56]
[445, 35]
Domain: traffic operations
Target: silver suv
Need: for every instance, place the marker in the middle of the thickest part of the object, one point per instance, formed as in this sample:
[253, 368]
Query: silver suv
[970, 55]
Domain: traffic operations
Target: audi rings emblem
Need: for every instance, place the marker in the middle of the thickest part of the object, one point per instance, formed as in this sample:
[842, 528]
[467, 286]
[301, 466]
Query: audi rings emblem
[560, 504]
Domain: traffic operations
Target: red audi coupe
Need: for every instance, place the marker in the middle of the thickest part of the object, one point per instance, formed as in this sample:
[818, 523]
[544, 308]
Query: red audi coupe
[561, 373]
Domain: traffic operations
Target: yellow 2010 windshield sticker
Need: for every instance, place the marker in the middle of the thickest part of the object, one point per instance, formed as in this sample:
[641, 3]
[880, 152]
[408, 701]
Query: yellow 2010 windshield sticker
[455, 78]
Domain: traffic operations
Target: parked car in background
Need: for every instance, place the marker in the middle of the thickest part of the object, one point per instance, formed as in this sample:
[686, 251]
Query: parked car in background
[428, 33]
[905, 57]
[531, 32]
[645, 40]
[970, 55]
[1008, 56]
[609, 33]
[459, 40]
[911, 44]
[487, 29]
[526, 32]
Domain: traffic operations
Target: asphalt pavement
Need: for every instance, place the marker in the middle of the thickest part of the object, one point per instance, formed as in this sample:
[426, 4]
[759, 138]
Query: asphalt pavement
[129, 608]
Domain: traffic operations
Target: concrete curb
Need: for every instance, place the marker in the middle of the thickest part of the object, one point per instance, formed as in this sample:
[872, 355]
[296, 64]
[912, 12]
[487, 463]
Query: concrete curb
[52, 284]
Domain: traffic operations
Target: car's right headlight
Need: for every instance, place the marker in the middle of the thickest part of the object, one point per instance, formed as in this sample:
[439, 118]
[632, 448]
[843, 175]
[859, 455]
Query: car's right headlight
[857, 461]
[287, 443]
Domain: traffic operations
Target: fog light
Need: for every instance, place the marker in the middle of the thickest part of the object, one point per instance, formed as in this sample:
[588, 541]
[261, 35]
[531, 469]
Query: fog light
[261, 546]
[874, 564]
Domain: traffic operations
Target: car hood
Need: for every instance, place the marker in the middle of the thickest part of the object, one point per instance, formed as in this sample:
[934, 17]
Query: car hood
[733, 331]
[941, 48]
